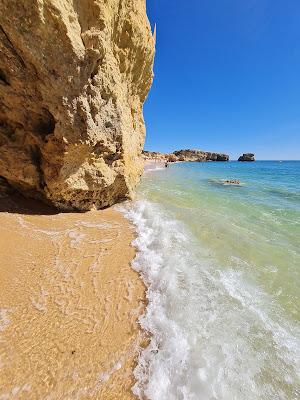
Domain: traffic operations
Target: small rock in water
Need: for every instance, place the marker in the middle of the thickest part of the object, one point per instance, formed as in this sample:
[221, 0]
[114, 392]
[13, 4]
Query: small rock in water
[232, 182]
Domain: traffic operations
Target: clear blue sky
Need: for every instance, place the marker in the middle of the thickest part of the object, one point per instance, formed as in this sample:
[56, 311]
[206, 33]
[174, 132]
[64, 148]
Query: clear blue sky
[227, 77]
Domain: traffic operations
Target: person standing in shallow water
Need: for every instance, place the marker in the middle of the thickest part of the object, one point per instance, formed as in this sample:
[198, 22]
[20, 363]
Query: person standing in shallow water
[166, 164]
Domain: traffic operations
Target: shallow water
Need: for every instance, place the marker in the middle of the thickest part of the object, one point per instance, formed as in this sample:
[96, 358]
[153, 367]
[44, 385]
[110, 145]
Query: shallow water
[222, 268]
[69, 304]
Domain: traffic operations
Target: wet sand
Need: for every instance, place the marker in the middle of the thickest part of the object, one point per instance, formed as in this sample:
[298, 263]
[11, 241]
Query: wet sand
[69, 304]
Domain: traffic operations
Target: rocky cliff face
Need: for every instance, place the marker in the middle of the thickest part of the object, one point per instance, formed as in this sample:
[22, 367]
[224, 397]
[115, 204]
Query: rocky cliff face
[216, 156]
[185, 155]
[190, 155]
[73, 79]
[199, 155]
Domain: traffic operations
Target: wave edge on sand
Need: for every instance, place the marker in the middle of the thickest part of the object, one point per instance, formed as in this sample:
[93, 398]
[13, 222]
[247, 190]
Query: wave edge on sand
[205, 323]
[69, 304]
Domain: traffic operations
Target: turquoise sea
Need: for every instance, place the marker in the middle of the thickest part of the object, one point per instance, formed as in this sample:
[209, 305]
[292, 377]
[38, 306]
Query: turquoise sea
[222, 267]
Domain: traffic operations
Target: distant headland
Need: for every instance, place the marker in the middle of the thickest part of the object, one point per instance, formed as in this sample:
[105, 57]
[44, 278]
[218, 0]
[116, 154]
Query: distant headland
[185, 155]
[193, 155]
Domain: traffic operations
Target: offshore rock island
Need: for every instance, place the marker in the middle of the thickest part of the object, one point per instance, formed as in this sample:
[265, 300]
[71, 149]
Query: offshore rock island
[247, 157]
[73, 80]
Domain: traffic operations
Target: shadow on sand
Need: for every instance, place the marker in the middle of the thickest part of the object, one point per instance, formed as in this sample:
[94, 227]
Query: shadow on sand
[18, 204]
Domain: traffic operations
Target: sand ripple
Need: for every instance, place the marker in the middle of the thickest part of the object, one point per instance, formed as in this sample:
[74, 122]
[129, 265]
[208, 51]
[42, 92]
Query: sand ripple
[69, 303]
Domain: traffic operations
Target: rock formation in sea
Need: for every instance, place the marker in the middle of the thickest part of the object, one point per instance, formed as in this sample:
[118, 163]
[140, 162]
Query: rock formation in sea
[186, 155]
[216, 157]
[199, 155]
[73, 79]
[191, 155]
[247, 157]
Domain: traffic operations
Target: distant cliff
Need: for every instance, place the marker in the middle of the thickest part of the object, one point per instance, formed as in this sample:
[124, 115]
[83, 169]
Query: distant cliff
[186, 155]
[199, 155]
[73, 79]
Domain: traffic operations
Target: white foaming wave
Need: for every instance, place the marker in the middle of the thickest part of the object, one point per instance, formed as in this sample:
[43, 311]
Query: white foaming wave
[168, 348]
[211, 338]
[153, 168]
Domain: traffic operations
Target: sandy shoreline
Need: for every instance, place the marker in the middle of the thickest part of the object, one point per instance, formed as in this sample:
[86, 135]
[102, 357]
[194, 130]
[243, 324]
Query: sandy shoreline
[69, 304]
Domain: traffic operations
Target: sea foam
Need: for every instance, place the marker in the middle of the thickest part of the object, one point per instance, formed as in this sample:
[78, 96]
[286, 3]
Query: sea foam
[215, 335]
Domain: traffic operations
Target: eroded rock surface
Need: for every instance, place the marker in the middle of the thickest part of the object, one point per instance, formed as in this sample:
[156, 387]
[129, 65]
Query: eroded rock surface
[199, 155]
[185, 155]
[190, 155]
[247, 157]
[216, 157]
[73, 79]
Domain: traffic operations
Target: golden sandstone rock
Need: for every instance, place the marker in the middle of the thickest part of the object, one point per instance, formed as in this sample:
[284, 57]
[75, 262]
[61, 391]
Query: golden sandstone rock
[185, 155]
[73, 79]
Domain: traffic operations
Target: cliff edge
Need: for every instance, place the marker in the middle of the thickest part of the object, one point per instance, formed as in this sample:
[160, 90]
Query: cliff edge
[73, 79]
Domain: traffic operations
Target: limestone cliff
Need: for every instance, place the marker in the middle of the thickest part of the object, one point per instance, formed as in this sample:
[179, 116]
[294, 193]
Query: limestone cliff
[186, 155]
[73, 79]
[199, 155]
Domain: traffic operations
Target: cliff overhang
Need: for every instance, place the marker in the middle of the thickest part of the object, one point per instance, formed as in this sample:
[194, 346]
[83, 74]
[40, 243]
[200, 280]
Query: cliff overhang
[73, 80]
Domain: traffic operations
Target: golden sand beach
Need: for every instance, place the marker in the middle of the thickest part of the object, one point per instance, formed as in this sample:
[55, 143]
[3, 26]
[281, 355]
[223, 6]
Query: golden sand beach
[69, 304]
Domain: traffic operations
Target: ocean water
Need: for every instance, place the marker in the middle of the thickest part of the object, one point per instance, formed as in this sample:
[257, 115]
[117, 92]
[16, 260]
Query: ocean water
[222, 268]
